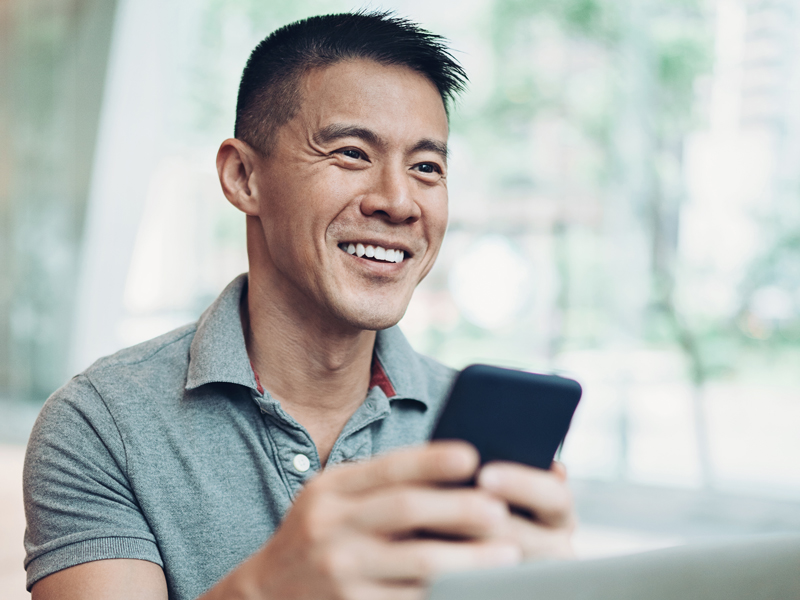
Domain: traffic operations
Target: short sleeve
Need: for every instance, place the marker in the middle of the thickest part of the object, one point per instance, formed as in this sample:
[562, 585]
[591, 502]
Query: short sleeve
[79, 505]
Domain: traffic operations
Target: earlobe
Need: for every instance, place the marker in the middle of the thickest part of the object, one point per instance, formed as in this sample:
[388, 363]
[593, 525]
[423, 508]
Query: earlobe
[235, 166]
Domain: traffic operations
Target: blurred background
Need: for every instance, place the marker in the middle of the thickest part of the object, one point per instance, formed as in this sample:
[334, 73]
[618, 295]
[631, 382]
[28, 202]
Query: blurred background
[625, 209]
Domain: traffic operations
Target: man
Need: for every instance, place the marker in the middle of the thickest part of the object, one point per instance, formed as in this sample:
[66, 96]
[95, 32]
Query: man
[202, 462]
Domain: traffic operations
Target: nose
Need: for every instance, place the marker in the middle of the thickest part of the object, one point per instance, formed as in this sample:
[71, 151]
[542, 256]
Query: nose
[392, 196]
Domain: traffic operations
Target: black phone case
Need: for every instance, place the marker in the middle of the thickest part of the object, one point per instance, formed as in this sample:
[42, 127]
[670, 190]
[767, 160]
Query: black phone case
[509, 415]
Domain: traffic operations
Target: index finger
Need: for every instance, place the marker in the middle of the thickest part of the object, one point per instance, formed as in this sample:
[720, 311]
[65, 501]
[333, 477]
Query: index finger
[436, 462]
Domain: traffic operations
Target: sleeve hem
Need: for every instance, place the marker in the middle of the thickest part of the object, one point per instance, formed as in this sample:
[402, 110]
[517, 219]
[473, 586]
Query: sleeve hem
[91, 550]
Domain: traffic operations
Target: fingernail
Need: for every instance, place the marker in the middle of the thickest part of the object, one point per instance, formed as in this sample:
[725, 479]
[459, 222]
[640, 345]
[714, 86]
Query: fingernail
[489, 479]
[461, 458]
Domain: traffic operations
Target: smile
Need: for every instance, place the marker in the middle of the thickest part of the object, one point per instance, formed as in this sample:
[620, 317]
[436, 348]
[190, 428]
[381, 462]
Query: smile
[373, 252]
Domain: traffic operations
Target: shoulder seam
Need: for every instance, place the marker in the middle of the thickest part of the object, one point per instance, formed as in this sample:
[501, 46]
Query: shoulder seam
[153, 353]
[114, 420]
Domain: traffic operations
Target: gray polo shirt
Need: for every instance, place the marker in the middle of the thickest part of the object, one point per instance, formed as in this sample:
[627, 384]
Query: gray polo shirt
[168, 452]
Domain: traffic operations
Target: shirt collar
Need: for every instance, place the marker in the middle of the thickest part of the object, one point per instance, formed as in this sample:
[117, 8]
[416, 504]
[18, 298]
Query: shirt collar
[218, 352]
[404, 367]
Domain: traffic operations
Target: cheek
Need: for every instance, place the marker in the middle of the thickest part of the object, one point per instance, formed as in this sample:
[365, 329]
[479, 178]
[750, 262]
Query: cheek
[437, 222]
[290, 214]
[436, 225]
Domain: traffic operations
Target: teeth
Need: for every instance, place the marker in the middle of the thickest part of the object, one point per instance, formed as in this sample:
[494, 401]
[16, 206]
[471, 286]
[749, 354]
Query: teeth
[376, 252]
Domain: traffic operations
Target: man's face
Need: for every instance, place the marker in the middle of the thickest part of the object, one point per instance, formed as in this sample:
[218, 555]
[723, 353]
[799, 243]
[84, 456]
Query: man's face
[362, 164]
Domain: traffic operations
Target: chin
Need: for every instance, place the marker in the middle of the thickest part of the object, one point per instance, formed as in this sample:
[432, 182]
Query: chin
[367, 318]
[376, 322]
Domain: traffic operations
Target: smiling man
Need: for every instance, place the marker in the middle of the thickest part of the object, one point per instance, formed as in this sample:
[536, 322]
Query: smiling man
[257, 453]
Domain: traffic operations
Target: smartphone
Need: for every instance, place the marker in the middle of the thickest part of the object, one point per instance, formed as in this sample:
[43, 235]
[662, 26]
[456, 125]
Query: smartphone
[509, 415]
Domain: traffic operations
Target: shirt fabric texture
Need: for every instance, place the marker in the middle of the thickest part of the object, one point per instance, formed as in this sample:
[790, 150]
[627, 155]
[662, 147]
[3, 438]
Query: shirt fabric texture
[168, 452]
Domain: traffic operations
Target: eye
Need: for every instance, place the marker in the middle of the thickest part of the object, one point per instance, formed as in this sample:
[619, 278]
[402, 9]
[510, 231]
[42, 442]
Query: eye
[428, 168]
[354, 154]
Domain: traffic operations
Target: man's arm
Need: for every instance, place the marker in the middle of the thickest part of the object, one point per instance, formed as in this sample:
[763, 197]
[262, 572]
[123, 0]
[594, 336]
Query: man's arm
[125, 579]
[354, 533]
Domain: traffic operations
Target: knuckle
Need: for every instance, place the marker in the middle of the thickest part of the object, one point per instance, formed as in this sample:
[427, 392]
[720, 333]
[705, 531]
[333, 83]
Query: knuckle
[320, 516]
[473, 508]
[406, 506]
[336, 565]
[393, 469]
[566, 503]
[479, 508]
[558, 503]
[562, 499]
[426, 564]
[454, 460]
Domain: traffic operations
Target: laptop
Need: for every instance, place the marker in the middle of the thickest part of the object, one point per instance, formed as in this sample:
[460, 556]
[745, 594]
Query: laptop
[754, 568]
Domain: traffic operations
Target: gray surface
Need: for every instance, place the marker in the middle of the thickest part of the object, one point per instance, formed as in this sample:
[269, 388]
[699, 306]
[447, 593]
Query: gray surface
[757, 568]
[692, 515]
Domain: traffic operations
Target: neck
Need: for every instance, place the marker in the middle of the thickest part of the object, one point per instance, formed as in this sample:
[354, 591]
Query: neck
[318, 371]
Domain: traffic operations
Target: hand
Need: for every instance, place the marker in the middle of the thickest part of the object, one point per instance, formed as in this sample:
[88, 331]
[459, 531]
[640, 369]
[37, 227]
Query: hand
[354, 531]
[546, 528]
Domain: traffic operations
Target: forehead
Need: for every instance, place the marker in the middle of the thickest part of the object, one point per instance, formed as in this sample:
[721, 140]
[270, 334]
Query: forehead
[365, 92]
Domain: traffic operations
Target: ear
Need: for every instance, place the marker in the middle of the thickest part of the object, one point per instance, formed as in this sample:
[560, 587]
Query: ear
[236, 162]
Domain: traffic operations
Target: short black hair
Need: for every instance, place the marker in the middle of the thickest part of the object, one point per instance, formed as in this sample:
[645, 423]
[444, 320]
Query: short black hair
[269, 92]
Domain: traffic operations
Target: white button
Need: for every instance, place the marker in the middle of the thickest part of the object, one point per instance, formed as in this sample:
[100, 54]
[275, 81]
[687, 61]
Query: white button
[301, 463]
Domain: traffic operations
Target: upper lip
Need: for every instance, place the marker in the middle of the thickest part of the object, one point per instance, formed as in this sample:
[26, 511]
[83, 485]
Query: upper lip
[382, 243]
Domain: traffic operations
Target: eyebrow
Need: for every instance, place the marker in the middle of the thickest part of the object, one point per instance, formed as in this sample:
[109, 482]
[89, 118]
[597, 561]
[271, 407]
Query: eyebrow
[337, 131]
[429, 145]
